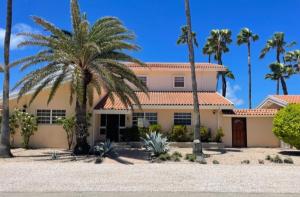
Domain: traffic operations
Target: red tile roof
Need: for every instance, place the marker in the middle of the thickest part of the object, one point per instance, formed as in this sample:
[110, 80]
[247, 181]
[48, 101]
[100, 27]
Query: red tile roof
[176, 66]
[163, 98]
[291, 99]
[251, 112]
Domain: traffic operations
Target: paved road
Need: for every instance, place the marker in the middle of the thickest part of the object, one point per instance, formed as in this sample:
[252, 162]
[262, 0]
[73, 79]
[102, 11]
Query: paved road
[82, 177]
[144, 194]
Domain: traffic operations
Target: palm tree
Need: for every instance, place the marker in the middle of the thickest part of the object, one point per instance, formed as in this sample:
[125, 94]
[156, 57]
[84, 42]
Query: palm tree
[5, 131]
[246, 36]
[183, 38]
[292, 59]
[279, 71]
[92, 57]
[278, 43]
[219, 40]
[189, 37]
[208, 50]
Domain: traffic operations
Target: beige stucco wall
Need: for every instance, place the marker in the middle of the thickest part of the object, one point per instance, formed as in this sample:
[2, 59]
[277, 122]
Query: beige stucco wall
[164, 80]
[259, 132]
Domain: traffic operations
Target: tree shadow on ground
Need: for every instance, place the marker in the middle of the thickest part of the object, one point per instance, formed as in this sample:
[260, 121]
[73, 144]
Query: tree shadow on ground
[290, 153]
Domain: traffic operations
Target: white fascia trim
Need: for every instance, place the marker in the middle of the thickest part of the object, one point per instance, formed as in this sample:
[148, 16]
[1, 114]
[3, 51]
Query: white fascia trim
[249, 116]
[225, 98]
[107, 111]
[274, 100]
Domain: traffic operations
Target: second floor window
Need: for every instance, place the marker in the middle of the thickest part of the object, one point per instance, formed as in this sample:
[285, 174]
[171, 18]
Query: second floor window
[143, 79]
[179, 82]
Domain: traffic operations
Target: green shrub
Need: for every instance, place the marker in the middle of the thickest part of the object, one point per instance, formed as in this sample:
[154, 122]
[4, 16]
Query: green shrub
[131, 134]
[216, 162]
[205, 134]
[164, 157]
[219, 135]
[156, 144]
[99, 160]
[288, 160]
[190, 157]
[260, 161]
[68, 124]
[276, 159]
[180, 133]
[268, 157]
[245, 161]
[155, 128]
[286, 125]
[176, 156]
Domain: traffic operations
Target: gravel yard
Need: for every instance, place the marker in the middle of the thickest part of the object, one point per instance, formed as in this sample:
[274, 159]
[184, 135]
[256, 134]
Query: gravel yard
[34, 171]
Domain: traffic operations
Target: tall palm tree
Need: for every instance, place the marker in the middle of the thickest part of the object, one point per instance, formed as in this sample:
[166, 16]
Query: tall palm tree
[278, 43]
[92, 57]
[189, 37]
[279, 71]
[208, 50]
[292, 59]
[219, 40]
[183, 38]
[5, 132]
[246, 36]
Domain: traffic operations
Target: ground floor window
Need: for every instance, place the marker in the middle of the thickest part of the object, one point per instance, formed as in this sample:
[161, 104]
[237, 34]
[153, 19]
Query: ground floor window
[182, 118]
[48, 116]
[151, 117]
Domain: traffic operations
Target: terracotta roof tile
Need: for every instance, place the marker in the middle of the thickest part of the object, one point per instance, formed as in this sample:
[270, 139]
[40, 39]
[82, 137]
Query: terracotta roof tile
[163, 98]
[250, 112]
[176, 66]
[291, 99]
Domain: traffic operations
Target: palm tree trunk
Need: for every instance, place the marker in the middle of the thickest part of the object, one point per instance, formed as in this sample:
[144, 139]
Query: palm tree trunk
[284, 86]
[81, 127]
[224, 85]
[197, 148]
[5, 132]
[209, 58]
[277, 86]
[249, 76]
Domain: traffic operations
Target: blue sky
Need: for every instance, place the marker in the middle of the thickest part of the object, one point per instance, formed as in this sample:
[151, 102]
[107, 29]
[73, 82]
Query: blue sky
[157, 26]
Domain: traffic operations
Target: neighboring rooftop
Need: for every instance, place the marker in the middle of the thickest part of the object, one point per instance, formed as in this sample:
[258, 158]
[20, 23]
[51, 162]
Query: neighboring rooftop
[279, 101]
[290, 99]
[166, 99]
[250, 112]
[177, 66]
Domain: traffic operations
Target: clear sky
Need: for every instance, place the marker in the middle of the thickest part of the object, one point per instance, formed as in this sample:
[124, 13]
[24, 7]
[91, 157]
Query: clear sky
[157, 26]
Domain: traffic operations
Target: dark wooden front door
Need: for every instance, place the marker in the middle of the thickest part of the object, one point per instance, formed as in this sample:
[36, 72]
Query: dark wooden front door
[239, 132]
[112, 127]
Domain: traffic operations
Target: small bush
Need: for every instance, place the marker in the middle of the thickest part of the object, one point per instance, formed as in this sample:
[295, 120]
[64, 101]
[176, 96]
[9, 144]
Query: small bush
[190, 157]
[260, 161]
[268, 157]
[215, 162]
[164, 157]
[288, 160]
[131, 134]
[54, 155]
[99, 160]
[176, 156]
[180, 133]
[205, 134]
[276, 159]
[245, 161]
[219, 135]
[155, 128]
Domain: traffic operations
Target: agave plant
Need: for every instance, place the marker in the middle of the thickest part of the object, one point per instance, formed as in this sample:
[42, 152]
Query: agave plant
[156, 144]
[104, 149]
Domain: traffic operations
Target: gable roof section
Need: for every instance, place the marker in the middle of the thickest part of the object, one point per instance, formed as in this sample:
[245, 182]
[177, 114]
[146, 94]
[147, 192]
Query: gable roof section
[280, 100]
[169, 100]
[250, 112]
[183, 66]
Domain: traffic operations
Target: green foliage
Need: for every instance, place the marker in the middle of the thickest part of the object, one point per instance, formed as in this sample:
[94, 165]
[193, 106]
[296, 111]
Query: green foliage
[245, 161]
[276, 159]
[164, 157]
[176, 156]
[205, 134]
[215, 162]
[288, 160]
[183, 38]
[286, 125]
[219, 135]
[246, 36]
[155, 144]
[155, 128]
[180, 133]
[131, 134]
[190, 157]
[28, 126]
[13, 126]
[104, 149]
[68, 124]
[268, 158]
[260, 161]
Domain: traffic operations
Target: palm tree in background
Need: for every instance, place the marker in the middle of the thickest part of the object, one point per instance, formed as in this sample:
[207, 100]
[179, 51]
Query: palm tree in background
[91, 57]
[292, 59]
[208, 50]
[279, 71]
[5, 131]
[246, 36]
[278, 43]
[188, 37]
[219, 40]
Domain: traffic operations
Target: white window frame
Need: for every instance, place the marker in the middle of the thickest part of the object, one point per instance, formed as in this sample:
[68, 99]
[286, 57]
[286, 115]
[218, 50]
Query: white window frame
[51, 115]
[144, 116]
[183, 117]
[139, 76]
[174, 80]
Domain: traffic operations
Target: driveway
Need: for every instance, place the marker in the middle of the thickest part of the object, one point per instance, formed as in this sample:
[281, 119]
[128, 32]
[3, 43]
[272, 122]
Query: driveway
[166, 177]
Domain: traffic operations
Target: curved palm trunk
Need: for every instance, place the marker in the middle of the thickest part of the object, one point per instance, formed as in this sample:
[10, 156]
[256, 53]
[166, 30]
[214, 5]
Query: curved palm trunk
[277, 80]
[81, 127]
[249, 76]
[197, 148]
[224, 85]
[209, 58]
[5, 132]
[284, 86]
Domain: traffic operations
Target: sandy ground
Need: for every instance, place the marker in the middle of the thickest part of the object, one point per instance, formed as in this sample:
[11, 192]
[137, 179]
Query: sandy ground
[138, 156]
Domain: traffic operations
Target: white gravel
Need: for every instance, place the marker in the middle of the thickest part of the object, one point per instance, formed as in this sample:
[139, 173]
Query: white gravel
[58, 177]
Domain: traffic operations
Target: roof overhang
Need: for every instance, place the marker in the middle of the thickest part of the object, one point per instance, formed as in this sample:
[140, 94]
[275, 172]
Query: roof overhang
[271, 100]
